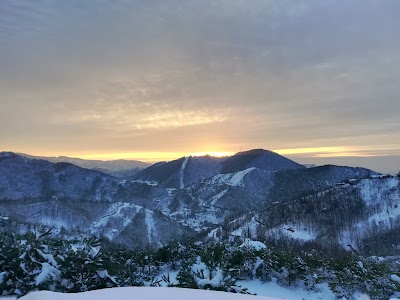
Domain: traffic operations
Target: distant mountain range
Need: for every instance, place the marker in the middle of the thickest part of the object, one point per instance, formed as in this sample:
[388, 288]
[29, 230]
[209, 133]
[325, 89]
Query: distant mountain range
[118, 168]
[257, 194]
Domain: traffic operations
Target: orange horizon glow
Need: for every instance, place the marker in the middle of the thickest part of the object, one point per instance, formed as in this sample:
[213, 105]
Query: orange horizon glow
[152, 157]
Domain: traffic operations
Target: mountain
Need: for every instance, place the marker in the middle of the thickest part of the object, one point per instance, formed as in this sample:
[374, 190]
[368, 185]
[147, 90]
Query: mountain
[73, 199]
[310, 165]
[266, 197]
[257, 158]
[119, 168]
[185, 171]
[361, 215]
[219, 198]
[181, 172]
[22, 177]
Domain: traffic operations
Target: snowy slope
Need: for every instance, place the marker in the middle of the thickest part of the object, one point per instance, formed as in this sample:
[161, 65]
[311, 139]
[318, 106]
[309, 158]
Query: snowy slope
[182, 172]
[233, 179]
[382, 212]
[186, 171]
[327, 204]
[361, 215]
[212, 200]
[128, 293]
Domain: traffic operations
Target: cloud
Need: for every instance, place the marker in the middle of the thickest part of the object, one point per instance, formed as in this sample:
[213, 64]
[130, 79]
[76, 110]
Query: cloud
[135, 75]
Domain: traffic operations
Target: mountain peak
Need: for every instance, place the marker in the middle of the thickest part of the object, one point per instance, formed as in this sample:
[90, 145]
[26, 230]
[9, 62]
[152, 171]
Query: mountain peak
[7, 154]
[254, 151]
[259, 158]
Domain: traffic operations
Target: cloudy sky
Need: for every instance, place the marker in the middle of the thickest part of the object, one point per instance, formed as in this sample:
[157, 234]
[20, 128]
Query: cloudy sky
[317, 80]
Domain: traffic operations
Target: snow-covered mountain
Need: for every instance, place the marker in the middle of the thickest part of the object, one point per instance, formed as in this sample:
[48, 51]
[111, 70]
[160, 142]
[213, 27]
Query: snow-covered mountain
[266, 197]
[218, 198]
[74, 200]
[186, 171]
[181, 172]
[361, 215]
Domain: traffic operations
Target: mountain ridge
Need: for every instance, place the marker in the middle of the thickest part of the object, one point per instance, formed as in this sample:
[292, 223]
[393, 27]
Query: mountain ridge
[285, 204]
[185, 171]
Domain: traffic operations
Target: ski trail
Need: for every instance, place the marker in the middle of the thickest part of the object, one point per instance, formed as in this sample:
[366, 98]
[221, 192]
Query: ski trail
[151, 230]
[182, 172]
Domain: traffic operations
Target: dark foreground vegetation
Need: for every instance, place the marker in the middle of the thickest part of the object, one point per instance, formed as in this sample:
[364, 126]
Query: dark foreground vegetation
[39, 261]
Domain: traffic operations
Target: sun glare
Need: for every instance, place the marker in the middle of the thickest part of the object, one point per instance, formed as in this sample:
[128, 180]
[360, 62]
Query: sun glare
[213, 153]
[153, 157]
[150, 156]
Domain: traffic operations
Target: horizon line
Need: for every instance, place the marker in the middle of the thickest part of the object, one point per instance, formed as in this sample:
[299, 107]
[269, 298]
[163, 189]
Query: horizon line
[154, 157]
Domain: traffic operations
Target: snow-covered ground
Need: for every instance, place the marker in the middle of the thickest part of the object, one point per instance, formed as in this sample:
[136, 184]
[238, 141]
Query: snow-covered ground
[271, 291]
[182, 174]
[275, 291]
[120, 211]
[233, 179]
[148, 293]
[381, 198]
[298, 232]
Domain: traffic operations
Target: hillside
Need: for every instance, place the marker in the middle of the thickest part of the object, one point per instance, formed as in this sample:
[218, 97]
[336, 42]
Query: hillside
[186, 171]
[328, 207]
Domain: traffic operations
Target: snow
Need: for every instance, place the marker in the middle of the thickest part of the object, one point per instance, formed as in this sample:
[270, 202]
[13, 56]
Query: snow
[213, 233]
[199, 265]
[395, 277]
[248, 227]
[148, 293]
[345, 239]
[382, 199]
[171, 191]
[4, 218]
[197, 220]
[380, 176]
[55, 223]
[257, 245]
[274, 290]
[233, 179]
[376, 191]
[215, 198]
[148, 182]
[48, 257]
[182, 185]
[294, 231]
[47, 270]
[258, 263]
[215, 281]
[125, 212]
[104, 274]
[171, 274]
[2, 275]
[151, 230]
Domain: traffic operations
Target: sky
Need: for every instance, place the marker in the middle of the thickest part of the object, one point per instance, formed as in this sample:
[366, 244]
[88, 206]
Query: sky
[316, 80]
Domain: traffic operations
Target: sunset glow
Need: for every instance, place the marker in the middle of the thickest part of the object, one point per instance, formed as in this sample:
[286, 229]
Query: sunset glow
[213, 153]
[152, 157]
[159, 80]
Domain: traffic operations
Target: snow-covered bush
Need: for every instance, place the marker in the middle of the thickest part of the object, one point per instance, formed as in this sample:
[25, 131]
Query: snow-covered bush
[38, 261]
